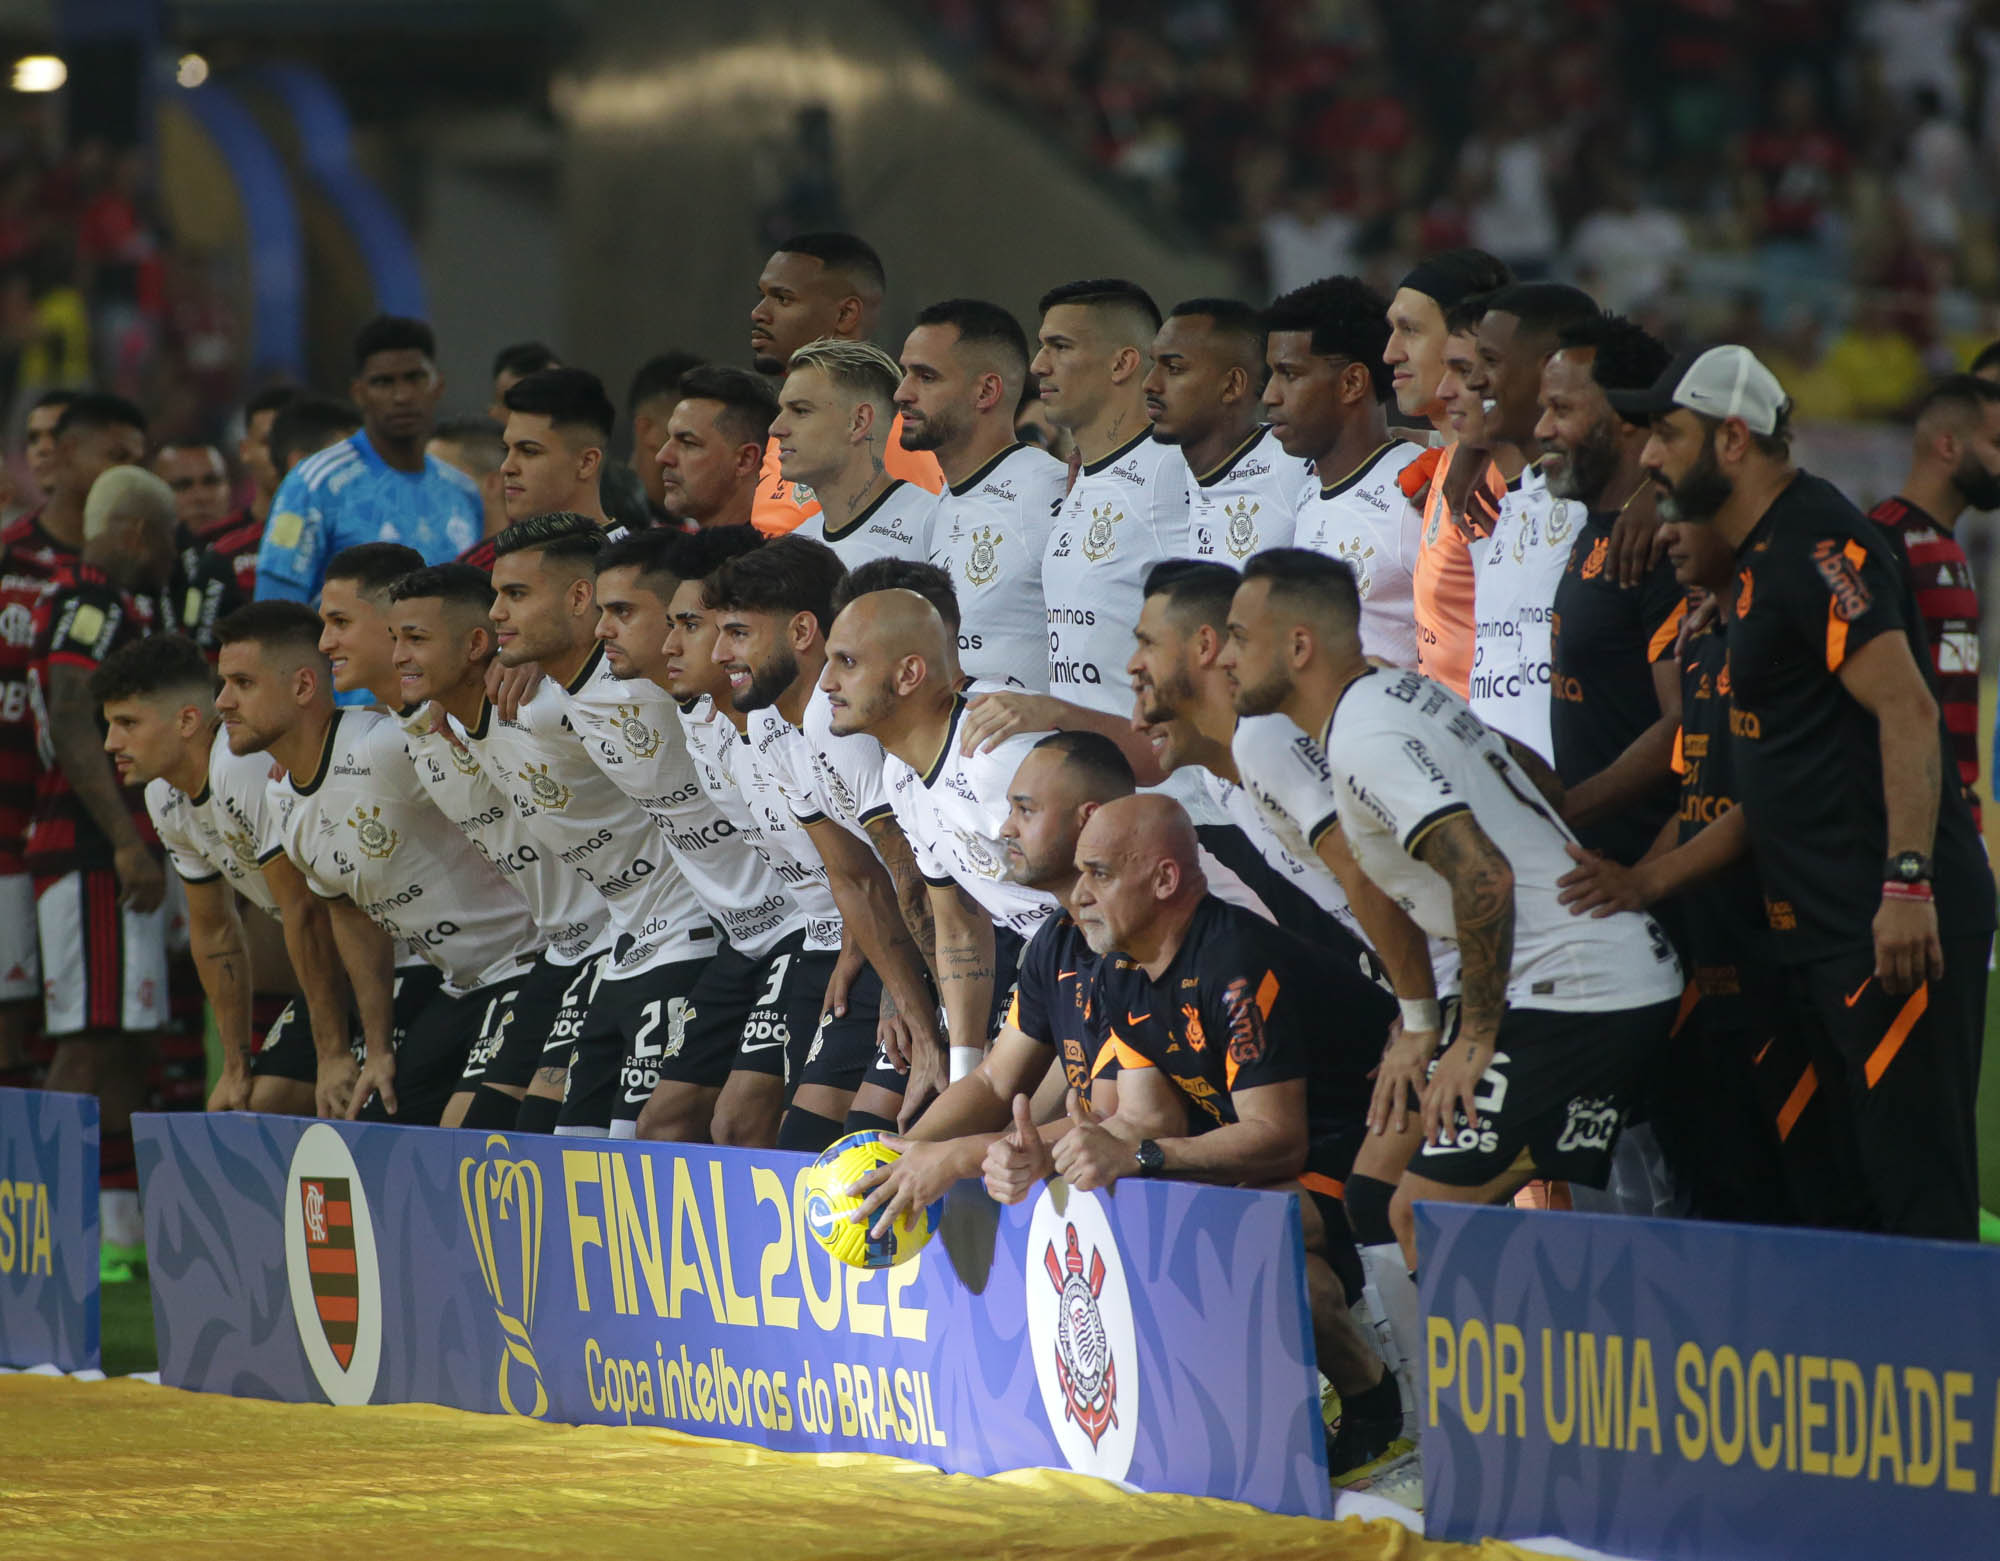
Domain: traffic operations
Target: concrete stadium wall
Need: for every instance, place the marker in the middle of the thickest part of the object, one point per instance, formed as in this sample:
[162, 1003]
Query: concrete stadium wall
[679, 147]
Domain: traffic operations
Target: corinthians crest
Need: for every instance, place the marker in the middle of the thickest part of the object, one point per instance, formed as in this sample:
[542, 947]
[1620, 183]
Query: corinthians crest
[982, 567]
[1088, 1374]
[977, 855]
[502, 1200]
[375, 838]
[1357, 556]
[1239, 531]
[1100, 541]
[639, 737]
[1562, 521]
[462, 759]
[550, 794]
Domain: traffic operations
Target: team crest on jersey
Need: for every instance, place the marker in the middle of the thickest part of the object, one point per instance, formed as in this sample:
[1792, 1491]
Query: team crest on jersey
[1359, 557]
[836, 788]
[983, 566]
[1197, 1037]
[1239, 532]
[1562, 521]
[242, 845]
[1100, 540]
[550, 794]
[375, 838]
[981, 860]
[639, 735]
[462, 759]
[1593, 566]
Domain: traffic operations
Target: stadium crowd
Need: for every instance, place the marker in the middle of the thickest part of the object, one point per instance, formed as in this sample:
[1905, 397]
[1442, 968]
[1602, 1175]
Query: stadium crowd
[1414, 746]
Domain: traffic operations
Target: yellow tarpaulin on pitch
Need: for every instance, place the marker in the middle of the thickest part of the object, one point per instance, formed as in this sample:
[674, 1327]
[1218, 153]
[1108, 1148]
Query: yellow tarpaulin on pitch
[121, 1469]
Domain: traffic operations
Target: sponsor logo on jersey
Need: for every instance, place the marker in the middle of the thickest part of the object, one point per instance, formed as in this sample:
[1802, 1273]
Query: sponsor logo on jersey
[331, 1268]
[1082, 1339]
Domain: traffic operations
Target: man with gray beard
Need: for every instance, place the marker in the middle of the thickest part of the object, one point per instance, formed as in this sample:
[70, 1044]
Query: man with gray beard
[1614, 696]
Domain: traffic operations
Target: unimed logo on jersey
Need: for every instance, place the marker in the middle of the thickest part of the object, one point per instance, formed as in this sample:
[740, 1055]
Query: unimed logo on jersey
[330, 1266]
[1080, 1327]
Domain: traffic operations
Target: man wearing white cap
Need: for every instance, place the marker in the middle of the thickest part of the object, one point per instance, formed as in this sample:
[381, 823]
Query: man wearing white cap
[1875, 887]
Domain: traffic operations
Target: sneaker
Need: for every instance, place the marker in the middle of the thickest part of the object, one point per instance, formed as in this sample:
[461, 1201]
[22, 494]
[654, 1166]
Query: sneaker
[1356, 1445]
[1397, 1476]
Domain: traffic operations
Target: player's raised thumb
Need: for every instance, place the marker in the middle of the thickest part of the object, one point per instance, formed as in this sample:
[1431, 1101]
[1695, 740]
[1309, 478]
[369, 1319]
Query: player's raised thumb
[1024, 1122]
[1079, 1109]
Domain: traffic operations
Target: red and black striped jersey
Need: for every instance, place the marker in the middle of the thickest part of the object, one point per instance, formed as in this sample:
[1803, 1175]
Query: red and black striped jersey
[217, 575]
[29, 557]
[1949, 602]
[79, 619]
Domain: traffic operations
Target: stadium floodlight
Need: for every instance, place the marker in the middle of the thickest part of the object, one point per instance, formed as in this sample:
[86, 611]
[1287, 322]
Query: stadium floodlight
[191, 70]
[39, 73]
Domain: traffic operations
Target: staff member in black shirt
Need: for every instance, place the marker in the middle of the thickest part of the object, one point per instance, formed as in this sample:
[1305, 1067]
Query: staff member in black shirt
[1876, 890]
[1220, 1022]
[1615, 692]
[1064, 779]
[1747, 1129]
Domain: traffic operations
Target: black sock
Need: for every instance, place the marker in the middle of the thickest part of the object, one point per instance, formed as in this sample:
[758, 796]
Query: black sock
[1378, 1403]
[537, 1115]
[807, 1131]
[491, 1108]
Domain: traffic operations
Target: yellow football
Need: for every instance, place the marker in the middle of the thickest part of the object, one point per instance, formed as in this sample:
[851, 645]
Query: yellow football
[828, 1204]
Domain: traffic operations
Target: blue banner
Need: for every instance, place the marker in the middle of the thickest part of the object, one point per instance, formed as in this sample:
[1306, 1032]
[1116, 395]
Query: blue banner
[48, 1229]
[1157, 1336]
[1675, 1389]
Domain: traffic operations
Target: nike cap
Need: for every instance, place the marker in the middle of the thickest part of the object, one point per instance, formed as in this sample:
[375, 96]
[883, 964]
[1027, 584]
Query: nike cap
[1721, 382]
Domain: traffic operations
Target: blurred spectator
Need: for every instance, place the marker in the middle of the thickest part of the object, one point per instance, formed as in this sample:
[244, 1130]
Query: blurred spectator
[1624, 251]
[1915, 44]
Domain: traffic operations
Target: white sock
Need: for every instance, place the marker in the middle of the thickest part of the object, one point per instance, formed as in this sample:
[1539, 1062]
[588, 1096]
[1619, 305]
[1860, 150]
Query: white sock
[119, 1222]
[1394, 1295]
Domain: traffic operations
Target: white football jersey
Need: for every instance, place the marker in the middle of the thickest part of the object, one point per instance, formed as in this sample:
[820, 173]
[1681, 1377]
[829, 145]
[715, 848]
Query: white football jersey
[1307, 873]
[1408, 755]
[725, 762]
[1247, 503]
[362, 825]
[894, 526]
[824, 776]
[1516, 571]
[1288, 780]
[988, 533]
[951, 814]
[229, 829]
[1125, 514]
[573, 916]
[631, 729]
[1364, 520]
[595, 830]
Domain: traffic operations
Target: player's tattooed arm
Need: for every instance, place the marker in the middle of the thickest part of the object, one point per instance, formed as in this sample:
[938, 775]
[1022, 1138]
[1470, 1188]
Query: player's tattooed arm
[221, 957]
[369, 957]
[912, 893]
[965, 964]
[1482, 905]
[79, 754]
[867, 898]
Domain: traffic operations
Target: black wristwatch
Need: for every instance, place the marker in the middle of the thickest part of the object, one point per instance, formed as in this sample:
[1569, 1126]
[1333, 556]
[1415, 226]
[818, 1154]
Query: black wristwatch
[1910, 867]
[1151, 1157]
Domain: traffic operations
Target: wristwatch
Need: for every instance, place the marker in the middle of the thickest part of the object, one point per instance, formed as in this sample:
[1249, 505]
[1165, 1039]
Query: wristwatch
[1151, 1157]
[1911, 867]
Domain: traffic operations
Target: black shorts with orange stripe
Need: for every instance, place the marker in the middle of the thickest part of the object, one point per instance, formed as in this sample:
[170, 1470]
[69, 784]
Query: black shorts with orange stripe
[1901, 1076]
